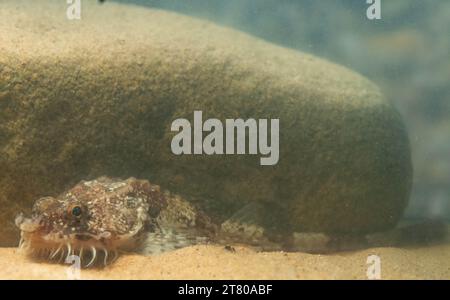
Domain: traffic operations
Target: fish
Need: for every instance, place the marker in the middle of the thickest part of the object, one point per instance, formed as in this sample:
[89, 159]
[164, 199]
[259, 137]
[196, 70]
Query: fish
[99, 219]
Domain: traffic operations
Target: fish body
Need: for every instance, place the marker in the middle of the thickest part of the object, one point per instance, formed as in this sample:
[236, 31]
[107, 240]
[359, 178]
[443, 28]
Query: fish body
[97, 218]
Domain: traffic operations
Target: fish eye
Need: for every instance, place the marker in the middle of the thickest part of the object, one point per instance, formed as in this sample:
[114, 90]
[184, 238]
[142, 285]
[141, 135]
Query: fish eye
[76, 211]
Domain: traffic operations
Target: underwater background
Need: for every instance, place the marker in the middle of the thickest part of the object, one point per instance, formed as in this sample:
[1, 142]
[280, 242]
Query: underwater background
[407, 53]
[93, 96]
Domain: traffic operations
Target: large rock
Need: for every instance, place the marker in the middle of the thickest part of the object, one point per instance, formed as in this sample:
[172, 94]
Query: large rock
[81, 99]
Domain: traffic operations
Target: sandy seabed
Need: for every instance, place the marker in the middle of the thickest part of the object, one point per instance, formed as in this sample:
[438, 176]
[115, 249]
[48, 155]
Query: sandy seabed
[215, 262]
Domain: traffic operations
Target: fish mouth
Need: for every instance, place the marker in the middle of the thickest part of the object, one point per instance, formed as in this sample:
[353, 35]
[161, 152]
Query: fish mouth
[85, 248]
[27, 224]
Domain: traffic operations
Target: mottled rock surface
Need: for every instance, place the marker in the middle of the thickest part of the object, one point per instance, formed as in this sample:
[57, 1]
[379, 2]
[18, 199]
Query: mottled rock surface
[82, 99]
